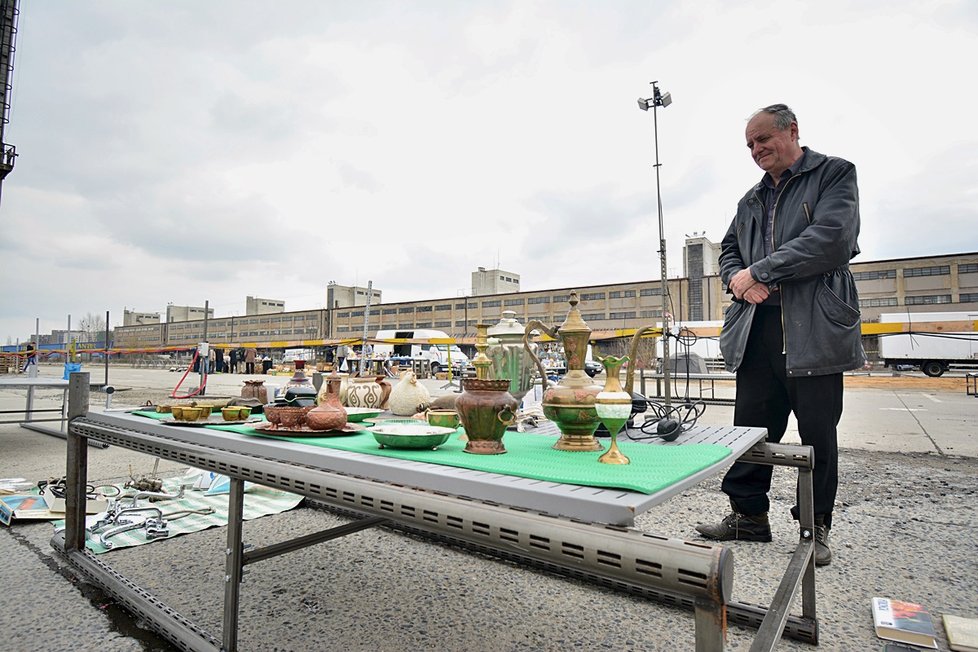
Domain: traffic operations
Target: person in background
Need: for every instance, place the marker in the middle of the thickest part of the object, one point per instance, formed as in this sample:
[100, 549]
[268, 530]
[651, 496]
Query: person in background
[342, 352]
[233, 360]
[266, 363]
[794, 324]
[30, 360]
[249, 357]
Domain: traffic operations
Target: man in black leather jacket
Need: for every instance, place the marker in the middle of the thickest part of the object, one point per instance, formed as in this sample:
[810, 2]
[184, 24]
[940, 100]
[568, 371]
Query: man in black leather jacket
[794, 325]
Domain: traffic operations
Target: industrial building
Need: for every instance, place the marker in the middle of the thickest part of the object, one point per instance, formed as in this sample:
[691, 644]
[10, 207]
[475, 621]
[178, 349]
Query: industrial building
[921, 284]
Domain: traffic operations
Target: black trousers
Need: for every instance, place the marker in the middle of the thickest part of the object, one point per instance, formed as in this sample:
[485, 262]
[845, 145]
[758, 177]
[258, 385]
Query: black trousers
[766, 395]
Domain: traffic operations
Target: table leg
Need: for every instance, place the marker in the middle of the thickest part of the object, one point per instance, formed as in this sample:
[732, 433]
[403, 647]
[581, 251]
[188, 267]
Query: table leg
[29, 410]
[76, 473]
[233, 566]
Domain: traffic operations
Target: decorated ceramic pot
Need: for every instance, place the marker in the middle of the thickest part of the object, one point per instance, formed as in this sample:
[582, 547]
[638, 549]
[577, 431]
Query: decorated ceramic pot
[364, 392]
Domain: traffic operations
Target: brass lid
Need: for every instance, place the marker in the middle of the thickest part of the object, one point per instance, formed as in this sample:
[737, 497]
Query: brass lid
[574, 322]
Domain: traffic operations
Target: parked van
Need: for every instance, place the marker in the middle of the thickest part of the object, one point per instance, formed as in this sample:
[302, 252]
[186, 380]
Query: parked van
[436, 354]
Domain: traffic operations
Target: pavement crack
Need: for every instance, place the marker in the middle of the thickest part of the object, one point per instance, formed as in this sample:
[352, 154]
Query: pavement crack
[922, 428]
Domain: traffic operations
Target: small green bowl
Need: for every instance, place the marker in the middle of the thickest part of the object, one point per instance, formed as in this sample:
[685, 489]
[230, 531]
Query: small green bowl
[410, 436]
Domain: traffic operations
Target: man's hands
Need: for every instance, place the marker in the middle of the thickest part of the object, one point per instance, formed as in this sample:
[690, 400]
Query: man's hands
[743, 286]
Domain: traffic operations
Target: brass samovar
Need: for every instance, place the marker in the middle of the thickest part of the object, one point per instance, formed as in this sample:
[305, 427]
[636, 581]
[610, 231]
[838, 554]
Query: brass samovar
[569, 403]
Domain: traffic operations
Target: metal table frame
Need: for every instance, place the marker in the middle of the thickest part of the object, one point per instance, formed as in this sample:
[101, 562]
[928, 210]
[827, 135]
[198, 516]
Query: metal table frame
[29, 421]
[691, 574]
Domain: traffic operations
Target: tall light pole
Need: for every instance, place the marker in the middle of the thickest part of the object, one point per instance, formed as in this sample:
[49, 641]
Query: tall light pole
[661, 99]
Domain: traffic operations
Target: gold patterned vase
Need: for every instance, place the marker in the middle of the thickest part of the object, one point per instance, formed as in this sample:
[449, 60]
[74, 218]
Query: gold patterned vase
[569, 403]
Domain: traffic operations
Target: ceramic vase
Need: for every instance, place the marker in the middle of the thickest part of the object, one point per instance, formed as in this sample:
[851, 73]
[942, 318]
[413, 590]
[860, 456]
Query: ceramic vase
[613, 406]
[364, 393]
[485, 408]
[328, 415]
[255, 389]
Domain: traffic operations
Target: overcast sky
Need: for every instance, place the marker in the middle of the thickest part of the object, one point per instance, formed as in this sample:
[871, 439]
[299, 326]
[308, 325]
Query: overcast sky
[185, 151]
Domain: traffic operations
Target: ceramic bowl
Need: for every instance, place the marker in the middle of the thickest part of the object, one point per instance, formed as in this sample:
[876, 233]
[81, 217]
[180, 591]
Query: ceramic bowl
[293, 417]
[231, 413]
[244, 412]
[443, 418]
[190, 413]
[355, 414]
[164, 408]
[408, 435]
[177, 411]
[273, 413]
[206, 409]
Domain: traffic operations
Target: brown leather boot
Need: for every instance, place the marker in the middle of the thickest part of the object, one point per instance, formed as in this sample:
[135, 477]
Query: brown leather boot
[738, 527]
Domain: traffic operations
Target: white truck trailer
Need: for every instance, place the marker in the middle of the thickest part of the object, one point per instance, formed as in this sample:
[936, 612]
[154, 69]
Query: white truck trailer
[933, 351]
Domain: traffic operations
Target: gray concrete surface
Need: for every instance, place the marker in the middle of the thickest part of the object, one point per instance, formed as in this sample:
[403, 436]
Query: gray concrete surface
[905, 527]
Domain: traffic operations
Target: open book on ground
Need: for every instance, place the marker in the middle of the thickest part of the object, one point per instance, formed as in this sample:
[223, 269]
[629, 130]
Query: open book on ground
[903, 621]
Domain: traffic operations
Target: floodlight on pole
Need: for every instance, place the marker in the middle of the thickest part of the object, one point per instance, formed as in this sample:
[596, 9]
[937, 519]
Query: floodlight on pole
[661, 99]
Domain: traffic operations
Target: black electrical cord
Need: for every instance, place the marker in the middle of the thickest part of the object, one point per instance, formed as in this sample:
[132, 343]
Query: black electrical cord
[668, 422]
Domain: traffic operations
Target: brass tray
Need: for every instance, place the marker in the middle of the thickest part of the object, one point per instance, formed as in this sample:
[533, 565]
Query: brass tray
[266, 428]
[208, 422]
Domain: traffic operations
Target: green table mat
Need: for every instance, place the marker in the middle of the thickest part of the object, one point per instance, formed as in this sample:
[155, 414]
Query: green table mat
[652, 469]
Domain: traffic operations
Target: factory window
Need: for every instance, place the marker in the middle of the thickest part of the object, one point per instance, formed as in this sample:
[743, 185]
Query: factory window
[874, 275]
[444, 306]
[356, 313]
[423, 324]
[374, 312]
[342, 315]
[969, 297]
[424, 308]
[967, 268]
[651, 313]
[405, 309]
[538, 300]
[621, 294]
[513, 302]
[390, 311]
[492, 304]
[934, 270]
[878, 303]
[928, 299]
[592, 296]
[651, 292]
[594, 316]
[561, 298]
[622, 315]
[443, 324]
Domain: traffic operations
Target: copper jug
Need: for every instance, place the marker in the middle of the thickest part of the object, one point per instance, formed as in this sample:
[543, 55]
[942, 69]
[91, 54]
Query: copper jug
[569, 403]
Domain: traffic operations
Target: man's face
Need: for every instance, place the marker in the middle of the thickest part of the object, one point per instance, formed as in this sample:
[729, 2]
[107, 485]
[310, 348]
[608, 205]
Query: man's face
[773, 149]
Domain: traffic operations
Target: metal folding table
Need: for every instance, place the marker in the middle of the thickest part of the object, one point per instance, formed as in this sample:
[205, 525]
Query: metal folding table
[584, 531]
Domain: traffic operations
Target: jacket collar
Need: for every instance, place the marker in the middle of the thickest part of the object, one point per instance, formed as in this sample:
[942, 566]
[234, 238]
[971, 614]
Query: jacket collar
[812, 160]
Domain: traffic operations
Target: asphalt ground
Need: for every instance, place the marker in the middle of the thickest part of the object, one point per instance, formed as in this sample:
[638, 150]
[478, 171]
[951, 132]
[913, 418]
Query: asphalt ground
[905, 527]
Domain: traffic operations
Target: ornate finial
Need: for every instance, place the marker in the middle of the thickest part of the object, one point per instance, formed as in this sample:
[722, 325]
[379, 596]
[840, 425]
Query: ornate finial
[481, 361]
[572, 299]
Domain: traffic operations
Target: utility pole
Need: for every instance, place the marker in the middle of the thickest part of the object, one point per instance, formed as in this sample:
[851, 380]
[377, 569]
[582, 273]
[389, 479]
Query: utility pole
[9, 13]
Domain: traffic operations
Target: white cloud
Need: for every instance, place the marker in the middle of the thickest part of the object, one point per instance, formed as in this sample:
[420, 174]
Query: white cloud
[188, 151]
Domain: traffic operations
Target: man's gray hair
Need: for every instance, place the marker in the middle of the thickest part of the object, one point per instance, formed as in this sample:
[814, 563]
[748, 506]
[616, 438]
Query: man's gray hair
[783, 115]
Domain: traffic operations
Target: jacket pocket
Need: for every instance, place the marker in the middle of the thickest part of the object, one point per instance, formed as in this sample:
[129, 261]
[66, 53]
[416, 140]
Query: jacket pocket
[837, 309]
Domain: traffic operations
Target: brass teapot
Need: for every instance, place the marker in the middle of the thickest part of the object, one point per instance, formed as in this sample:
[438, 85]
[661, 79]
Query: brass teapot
[569, 403]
